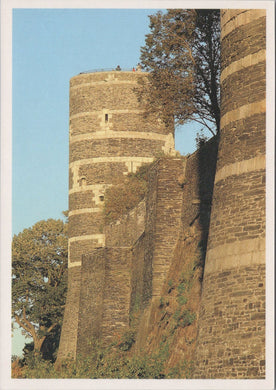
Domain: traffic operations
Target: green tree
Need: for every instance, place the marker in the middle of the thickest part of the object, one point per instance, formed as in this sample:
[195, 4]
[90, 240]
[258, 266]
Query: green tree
[182, 56]
[39, 281]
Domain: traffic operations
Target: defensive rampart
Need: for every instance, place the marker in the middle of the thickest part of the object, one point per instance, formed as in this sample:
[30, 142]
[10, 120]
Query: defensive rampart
[194, 206]
[132, 265]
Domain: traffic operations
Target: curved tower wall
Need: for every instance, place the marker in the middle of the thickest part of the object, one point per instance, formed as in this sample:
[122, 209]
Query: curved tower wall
[109, 137]
[231, 339]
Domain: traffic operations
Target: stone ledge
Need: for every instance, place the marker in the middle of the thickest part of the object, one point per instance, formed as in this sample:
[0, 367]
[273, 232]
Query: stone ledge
[239, 167]
[245, 62]
[243, 112]
[241, 19]
[237, 254]
[84, 211]
[121, 134]
[103, 82]
[111, 111]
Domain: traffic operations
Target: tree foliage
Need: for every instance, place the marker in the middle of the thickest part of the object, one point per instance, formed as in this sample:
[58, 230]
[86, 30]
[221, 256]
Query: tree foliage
[39, 281]
[182, 56]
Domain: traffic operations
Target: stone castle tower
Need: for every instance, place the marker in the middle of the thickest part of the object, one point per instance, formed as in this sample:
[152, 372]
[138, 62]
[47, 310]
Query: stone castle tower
[231, 335]
[109, 137]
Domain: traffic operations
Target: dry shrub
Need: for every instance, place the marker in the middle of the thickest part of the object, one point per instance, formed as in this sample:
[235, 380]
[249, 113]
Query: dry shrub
[17, 369]
[121, 198]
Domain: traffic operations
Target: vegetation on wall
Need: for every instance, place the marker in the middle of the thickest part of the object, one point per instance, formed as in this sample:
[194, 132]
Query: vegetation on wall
[174, 305]
[121, 198]
[109, 362]
[182, 56]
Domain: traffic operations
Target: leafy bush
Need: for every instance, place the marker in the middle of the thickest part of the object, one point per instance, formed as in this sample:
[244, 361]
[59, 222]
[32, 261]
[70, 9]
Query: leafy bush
[184, 318]
[111, 364]
[121, 198]
[181, 300]
[128, 339]
[112, 361]
[181, 288]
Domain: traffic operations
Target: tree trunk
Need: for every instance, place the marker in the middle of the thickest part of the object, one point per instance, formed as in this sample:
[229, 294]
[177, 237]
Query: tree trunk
[29, 328]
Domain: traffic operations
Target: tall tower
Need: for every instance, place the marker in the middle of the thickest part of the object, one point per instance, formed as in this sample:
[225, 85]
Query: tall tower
[109, 137]
[231, 339]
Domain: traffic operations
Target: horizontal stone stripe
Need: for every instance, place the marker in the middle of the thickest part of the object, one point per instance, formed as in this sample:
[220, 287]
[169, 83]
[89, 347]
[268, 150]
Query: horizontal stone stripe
[103, 82]
[100, 112]
[92, 187]
[227, 14]
[234, 255]
[240, 167]
[83, 211]
[74, 264]
[120, 134]
[241, 19]
[243, 112]
[108, 73]
[96, 160]
[99, 237]
[251, 59]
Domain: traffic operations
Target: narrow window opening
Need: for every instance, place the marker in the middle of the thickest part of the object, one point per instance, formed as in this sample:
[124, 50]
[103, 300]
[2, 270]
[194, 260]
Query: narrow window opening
[82, 181]
[106, 118]
[101, 198]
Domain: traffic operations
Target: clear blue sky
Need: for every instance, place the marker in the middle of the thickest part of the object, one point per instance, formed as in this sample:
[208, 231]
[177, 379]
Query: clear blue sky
[49, 47]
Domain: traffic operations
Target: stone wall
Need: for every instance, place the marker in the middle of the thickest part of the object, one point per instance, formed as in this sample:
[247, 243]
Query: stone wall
[186, 256]
[116, 302]
[232, 318]
[163, 216]
[141, 277]
[118, 278]
[231, 338]
[104, 296]
[91, 300]
[68, 339]
[127, 230]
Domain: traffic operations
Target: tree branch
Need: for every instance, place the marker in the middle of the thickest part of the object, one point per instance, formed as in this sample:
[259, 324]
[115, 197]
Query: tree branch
[26, 327]
[202, 122]
[51, 328]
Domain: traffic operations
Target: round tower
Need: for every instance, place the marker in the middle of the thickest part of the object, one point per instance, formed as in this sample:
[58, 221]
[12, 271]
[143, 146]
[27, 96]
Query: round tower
[231, 339]
[109, 137]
